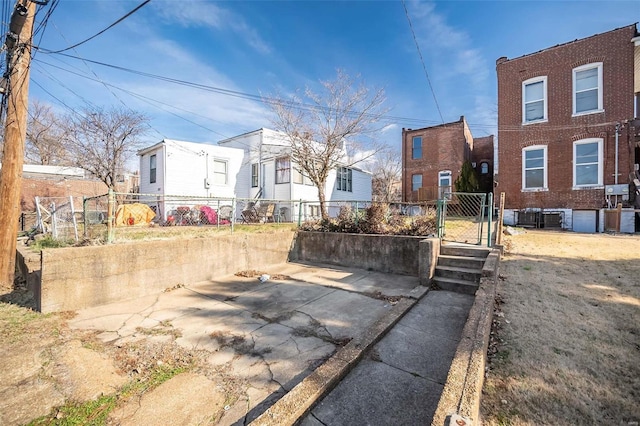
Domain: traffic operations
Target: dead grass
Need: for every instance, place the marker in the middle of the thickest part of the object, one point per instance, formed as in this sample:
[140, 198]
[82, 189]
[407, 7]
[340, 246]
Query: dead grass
[567, 333]
[125, 234]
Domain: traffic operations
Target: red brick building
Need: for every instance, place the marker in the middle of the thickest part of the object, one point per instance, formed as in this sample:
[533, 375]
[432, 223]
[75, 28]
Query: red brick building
[433, 156]
[564, 128]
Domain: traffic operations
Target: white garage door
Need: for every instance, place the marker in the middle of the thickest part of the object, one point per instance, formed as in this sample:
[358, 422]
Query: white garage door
[584, 221]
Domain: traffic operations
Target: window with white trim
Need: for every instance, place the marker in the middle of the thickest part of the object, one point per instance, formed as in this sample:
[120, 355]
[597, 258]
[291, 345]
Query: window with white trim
[254, 175]
[534, 100]
[300, 177]
[534, 167]
[152, 168]
[416, 182]
[219, 172]
[283, 170]
[587, 163]
[344, 179]
[587, 89]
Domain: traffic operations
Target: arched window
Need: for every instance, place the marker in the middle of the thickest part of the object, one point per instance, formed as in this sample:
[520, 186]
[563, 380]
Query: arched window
[484, 168]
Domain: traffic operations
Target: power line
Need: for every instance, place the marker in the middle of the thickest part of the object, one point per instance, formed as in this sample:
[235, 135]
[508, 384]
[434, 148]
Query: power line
[424, 66]
[145, 99]
[140, 6]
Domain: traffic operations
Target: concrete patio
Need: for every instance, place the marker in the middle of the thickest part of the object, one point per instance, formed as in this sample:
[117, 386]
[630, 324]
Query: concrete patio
[274, 334]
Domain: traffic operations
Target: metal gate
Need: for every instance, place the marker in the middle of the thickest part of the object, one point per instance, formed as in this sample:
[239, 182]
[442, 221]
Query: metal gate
[461, 217]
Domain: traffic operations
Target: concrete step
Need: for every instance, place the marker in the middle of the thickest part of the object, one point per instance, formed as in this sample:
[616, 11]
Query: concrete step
[461, 261]
[456, 285]
[455, 272]
[467, 251]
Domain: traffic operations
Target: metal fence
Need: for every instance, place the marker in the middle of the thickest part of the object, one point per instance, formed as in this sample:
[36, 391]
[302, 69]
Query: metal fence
[356, 210]
[461, 217]
[458, 217]
[57, 216]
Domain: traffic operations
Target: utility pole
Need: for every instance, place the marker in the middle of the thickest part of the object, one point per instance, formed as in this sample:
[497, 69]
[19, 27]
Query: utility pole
[18, 43]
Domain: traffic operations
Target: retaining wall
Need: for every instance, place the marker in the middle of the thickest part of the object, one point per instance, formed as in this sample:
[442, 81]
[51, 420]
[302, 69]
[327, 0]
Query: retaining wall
[73, 278]
[79, 277]
[393, 254]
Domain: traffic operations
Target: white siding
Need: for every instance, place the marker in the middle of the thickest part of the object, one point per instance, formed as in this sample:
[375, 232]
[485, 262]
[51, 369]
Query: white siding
[181, 170]
[360, 185]
[146, 187]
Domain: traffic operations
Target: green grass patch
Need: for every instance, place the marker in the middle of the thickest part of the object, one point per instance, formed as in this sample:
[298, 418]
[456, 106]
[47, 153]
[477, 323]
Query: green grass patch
[96, 412]
[49, 242]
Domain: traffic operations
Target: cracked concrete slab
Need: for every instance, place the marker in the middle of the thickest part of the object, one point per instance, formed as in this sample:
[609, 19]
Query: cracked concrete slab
[446, 311]
[283, 297]
[268, 336]
[418, 353]
[185, 399]
[343, 313]
[349, 279]
[229, 287]
[375, 393]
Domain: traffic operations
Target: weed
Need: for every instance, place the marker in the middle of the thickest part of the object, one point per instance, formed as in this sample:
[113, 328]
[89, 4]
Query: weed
[93, 412]
[377, 219]
[48, 242]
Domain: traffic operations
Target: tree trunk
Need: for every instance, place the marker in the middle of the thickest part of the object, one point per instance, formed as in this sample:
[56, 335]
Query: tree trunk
[323, 204]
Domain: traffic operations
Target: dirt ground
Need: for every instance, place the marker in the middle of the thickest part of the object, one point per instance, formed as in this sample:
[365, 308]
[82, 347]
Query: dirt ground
[565, 350]
[565, 344]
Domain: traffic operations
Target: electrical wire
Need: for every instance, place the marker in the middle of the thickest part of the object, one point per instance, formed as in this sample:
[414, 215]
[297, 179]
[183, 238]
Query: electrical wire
[424, 66]
[128, 14]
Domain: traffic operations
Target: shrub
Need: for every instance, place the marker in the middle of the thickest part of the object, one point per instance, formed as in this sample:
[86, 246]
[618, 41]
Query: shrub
[377, 219]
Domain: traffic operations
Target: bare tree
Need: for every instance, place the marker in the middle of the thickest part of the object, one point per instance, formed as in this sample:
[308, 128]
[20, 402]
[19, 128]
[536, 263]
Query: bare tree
[323, 127]
[45, 137]
[101, 141]
[387, 174]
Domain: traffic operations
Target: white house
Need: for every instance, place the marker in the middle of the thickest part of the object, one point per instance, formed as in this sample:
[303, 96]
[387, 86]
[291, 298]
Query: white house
[179, 168]
[267, 172]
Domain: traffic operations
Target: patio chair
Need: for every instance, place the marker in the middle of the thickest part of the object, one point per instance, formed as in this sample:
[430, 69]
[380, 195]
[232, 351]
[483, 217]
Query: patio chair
[250, 214]
[225, 212]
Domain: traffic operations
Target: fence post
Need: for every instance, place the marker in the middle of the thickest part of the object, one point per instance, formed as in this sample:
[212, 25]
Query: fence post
[439, 216]
[500, 219]
[356, 213]
[300, 213]
[110, 215]
[233, 213]
[489, 218]
[84, 216]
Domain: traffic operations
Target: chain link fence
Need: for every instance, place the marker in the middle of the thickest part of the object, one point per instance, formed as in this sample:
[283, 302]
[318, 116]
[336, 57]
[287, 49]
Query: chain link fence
[463, 217]
[58, 216]
[458, 217]
[418, 218]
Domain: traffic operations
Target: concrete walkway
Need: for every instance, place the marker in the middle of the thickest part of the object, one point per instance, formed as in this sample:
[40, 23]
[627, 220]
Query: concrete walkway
[401, 379]
[268, 337]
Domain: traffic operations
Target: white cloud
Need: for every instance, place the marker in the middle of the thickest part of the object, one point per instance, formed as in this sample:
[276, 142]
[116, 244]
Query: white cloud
[458, 70]
[388, 128]
[212, 16]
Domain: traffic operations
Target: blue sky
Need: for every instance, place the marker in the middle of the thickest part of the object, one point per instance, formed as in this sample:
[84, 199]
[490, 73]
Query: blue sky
[264, 47]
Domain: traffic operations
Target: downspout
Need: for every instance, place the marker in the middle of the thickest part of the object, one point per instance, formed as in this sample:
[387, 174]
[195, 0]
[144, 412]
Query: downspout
[206, 179]
[164, 180]
[261, 167]
[616, 161]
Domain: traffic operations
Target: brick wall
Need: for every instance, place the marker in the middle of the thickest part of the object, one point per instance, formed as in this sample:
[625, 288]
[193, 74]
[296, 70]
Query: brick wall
[615, 50]
[444, 147]
[483, 152]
